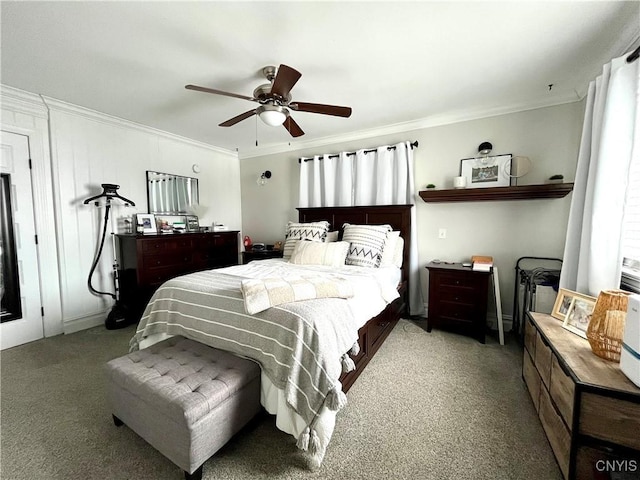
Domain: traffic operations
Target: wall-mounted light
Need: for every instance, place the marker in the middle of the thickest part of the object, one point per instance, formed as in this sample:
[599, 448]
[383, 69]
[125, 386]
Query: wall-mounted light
[484, 149]
[262, 179]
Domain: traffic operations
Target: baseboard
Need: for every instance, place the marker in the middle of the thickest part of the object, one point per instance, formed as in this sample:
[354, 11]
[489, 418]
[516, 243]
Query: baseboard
[82, 323]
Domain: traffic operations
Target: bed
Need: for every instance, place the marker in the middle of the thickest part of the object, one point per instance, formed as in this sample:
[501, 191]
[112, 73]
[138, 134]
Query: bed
[310, 352]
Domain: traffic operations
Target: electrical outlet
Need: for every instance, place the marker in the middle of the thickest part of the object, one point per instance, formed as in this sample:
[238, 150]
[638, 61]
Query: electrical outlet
[442, 233]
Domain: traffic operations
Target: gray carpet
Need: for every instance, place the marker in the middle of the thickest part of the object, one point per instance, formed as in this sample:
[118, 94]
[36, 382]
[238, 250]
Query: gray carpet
[429, 406]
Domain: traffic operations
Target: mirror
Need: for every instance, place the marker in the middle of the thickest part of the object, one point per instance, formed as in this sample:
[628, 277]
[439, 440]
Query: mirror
[170, 194]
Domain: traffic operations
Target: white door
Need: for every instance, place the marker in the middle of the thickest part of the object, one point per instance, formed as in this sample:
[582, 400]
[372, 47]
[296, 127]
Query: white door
[21, 305]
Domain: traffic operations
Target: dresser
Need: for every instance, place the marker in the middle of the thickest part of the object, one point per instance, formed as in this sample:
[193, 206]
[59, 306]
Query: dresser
[458, 299]
[589, 410]
[147, 261]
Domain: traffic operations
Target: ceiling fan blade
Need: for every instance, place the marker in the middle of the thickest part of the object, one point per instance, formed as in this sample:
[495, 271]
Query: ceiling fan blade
[239, 118]
[334, 110]
[292, 127]
[285, 79]
[218, 92]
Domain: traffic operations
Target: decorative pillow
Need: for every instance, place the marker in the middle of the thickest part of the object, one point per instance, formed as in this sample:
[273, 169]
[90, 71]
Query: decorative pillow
[389, 248]
[332, 236]
[314, 231]
[315, 253]
[366, 243]
[398, 255]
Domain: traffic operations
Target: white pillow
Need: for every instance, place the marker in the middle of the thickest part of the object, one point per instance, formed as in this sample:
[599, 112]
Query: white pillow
[366, 244]
[332, 236]
[332, 254]
[398, 255]
[389, 249]
[314, 231]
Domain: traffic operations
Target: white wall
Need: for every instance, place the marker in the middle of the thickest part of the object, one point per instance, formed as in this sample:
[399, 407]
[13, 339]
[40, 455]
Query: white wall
[89, 148]
[506, 230]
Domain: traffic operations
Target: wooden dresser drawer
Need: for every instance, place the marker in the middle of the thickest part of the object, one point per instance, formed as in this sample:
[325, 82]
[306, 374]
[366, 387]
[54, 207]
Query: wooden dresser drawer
[611, 419]
[157, 276]
[530, 337]
[531, 380]
[166, 245]
[180, 260]
[543, 359]
[606, 464]
[562, 391]
[557, 433]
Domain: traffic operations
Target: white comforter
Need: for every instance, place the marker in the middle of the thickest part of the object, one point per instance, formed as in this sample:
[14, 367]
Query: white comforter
[372, 288]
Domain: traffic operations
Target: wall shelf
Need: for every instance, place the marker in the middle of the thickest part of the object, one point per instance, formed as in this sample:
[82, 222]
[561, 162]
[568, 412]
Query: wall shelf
[522, 192]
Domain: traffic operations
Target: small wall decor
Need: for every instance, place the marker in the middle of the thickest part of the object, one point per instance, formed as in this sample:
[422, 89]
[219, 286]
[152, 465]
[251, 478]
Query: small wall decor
[486, 171]
[147, 221]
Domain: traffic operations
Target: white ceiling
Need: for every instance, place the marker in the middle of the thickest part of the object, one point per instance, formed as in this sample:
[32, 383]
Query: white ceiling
[394, 63]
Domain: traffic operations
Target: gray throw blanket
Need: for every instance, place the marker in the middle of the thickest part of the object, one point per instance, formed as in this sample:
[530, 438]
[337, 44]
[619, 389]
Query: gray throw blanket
[300, 346]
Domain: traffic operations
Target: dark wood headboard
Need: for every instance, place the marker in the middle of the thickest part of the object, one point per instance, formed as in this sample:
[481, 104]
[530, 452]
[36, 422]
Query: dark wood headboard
[398, 216]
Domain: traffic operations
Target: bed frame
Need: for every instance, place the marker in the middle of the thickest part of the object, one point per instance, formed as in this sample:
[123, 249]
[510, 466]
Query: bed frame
[376, 330]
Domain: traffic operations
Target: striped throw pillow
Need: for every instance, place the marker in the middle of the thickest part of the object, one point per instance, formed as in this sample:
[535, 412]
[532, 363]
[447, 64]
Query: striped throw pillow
[366, 243]
[313, 231]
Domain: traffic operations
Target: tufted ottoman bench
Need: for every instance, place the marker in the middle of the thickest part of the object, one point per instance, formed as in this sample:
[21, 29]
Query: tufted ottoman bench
[184, 398]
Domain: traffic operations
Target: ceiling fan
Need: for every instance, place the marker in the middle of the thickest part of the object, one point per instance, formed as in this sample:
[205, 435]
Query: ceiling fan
[275, 101]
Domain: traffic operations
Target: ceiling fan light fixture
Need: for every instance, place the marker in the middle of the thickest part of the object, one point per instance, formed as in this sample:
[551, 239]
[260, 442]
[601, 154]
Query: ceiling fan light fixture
[272, 115]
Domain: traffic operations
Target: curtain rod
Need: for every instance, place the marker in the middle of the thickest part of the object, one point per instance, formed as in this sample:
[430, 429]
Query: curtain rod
[634, 55]
[412, 145]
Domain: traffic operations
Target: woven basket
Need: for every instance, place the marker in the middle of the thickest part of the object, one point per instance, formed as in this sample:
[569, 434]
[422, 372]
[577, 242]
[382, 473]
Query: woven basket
[606, 327]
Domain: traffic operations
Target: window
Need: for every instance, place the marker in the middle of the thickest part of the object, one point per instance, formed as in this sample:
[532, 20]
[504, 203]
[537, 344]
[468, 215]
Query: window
[631, 229]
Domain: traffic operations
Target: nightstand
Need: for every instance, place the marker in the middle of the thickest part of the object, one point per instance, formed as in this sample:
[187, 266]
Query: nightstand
[458, 299]
[249, 255]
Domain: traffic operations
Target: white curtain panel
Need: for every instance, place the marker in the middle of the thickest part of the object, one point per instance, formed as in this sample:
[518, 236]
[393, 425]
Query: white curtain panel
[382, 177]
[592, 253]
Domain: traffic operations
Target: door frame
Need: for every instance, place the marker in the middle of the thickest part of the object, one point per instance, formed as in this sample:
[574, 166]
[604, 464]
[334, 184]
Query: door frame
[25, 114]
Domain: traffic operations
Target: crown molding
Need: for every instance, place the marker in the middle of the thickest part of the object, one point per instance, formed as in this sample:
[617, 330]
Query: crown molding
[405, 127]
[62, 106]
[22, 101]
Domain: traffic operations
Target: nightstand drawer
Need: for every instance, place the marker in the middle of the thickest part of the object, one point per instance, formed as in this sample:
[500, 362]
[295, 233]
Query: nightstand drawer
[462, 279]
[458, 295]
[457, 311]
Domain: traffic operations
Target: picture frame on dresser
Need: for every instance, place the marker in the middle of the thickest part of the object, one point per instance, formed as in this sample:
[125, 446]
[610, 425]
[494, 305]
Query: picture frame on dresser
[147, 221]
[579, 315]
[563, 302]
[485, 172]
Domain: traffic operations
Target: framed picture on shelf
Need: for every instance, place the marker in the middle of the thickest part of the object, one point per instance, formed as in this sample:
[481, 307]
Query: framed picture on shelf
[563, 302]
[148, 222]
[579, 315]
[484, 172]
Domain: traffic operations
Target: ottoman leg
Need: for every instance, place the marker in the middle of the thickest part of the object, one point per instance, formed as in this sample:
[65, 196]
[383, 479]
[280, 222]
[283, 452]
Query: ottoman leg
[116, 421]
[196, 475]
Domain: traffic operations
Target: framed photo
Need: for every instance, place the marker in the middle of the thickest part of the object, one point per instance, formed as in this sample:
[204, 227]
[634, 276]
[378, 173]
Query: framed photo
[148, 222]
[579, 316]
[484, 172]
[563, 302]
